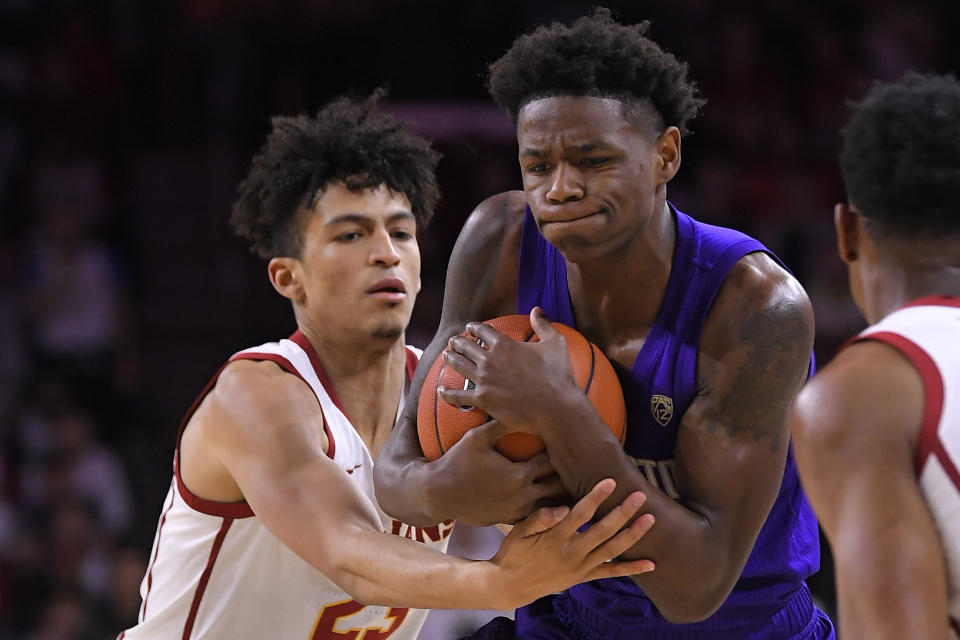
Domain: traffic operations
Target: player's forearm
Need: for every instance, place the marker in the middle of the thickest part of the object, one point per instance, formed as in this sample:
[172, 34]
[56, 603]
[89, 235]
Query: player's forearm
[695, 569]
[402, 479]
[379, 569]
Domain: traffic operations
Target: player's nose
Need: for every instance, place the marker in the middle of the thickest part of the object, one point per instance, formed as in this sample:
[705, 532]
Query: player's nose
[567, 185]
[384, 250]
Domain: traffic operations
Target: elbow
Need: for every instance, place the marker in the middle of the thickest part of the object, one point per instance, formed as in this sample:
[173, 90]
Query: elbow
[694, 601]
[688, 611]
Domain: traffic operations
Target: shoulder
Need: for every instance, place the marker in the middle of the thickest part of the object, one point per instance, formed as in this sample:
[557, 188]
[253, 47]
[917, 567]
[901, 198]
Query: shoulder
[498, 216]
[760, 301]
[482, 272]
[251, 394]
[870, 394]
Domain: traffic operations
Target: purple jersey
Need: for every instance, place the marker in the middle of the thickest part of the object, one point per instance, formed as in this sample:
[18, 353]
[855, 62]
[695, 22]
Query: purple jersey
[771, 599]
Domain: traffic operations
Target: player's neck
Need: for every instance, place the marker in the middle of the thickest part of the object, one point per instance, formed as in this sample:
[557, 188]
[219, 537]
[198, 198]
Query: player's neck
[621, 293]
[892, 286]
[367, 376]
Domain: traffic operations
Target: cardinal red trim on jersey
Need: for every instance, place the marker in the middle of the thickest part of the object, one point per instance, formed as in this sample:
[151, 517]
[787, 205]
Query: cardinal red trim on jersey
[287, 366]
[928, 441]
[163, 520]
[303, 343]
[209, 507]
[935, 301]
[205, 577]
[412, 360]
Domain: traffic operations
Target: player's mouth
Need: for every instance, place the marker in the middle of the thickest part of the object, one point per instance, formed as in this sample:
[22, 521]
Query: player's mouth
[571, 220]
[389, 289]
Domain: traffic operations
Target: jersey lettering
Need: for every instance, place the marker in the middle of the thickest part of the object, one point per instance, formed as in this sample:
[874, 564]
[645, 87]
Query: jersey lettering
[436, 533]
[334, 615]
[659, 473]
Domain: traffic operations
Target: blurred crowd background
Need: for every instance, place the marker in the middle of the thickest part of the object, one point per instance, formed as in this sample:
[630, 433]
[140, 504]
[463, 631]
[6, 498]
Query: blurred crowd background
[126, 126]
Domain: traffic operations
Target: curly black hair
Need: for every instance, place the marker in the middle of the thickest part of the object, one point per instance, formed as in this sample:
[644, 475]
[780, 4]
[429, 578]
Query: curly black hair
[346, 141]
[901, 156]
[595, 56]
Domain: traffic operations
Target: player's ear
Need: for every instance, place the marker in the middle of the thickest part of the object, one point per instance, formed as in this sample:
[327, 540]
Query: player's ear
[846, 223]
[667, 161]
[284, 274]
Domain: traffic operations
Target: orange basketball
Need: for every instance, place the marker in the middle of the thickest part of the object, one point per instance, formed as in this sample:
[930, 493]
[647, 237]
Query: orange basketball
[440, 424]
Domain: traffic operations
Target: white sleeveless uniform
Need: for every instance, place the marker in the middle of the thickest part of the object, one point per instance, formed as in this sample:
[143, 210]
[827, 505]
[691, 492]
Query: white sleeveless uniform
[216, 572]
[927, 332]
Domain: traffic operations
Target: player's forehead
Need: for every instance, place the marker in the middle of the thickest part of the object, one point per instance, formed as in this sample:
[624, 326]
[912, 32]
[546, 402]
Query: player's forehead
[337, 202]
[573, 120]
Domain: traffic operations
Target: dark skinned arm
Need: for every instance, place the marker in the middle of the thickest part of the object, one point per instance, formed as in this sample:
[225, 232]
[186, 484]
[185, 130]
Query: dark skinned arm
[423, 493]
[855, 426]
[731, 444]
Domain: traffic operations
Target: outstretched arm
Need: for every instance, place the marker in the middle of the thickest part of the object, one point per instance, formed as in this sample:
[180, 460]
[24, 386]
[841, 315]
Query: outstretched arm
[731, 444]
[265, 428]
[421, 493]
[854, 431]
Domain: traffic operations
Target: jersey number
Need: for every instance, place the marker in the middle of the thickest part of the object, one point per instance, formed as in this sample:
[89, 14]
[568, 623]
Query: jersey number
[332, 614]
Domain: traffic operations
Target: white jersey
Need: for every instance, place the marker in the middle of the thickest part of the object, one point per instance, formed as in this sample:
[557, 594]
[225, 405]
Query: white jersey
[927, 332]
[216, 572]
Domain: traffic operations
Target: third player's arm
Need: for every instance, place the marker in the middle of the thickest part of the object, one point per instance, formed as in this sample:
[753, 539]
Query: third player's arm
[855, 428]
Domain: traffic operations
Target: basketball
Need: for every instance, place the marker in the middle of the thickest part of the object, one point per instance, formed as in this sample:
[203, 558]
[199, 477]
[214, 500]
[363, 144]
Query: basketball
[440, 424]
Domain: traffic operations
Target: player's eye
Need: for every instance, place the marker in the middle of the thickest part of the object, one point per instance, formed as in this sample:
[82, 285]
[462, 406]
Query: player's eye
[349, 236]
[401, 234]
[594, 161]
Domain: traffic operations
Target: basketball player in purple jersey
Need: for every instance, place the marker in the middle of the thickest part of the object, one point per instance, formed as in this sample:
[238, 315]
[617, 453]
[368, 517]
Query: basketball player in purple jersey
[711, 335]
[877, 431]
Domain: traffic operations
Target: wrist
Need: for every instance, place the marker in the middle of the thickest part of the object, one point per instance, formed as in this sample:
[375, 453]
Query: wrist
[493, 584]
[574, 410]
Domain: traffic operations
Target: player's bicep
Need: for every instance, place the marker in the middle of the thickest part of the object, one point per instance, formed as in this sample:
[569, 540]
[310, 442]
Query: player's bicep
[733, 438]
[268, 433]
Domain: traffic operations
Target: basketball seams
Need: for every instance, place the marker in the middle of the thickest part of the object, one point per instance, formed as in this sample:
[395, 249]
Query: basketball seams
[593, 363]
[436, 421]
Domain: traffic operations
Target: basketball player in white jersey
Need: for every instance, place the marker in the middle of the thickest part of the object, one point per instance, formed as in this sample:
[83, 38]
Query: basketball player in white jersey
[271, 529]
[877, 431]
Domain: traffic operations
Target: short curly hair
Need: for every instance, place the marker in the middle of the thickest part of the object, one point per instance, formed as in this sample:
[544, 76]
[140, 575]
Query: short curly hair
[346, 141]
[900, 157]
[599, 57]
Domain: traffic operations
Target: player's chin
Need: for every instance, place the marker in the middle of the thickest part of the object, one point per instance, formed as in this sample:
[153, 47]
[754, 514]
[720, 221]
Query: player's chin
[577, 247]
[388, 331]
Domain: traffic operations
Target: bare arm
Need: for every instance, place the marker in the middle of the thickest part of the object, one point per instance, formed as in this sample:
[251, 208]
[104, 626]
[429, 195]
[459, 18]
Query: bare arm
[265, 428]
[731, 445]
[854, 428]
[421, 493]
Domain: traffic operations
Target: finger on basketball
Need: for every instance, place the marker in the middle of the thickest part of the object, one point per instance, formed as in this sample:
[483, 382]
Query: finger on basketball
[583, 511]
[485, 333]
[467, 346]
[458, 397]
[462, 364]
[488, 432]
[541, 323]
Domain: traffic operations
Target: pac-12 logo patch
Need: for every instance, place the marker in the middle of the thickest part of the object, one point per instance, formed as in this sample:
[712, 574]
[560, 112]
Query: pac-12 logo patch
[662, 408]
